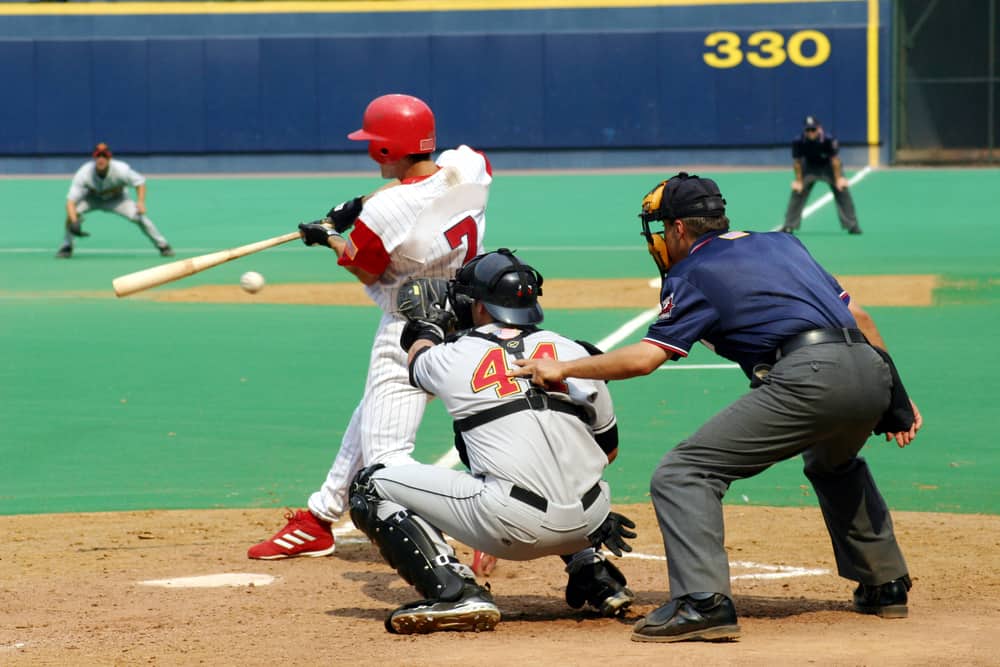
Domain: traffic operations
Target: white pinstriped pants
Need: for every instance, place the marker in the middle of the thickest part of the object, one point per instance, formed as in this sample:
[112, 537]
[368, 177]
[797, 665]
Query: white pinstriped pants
[384, 425]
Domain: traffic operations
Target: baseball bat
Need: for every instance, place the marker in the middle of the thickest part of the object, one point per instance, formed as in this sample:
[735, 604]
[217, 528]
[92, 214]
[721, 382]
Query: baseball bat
[131, 283]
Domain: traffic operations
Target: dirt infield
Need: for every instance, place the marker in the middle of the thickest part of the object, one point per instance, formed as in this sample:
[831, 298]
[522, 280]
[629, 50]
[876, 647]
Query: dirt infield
[70, 594]
[912, 290]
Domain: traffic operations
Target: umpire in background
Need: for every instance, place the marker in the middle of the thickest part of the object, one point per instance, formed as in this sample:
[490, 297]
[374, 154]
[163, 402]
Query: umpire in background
[815, 158]
[821, 383]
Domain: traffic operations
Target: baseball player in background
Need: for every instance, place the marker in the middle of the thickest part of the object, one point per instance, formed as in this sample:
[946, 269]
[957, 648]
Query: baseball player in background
[815, 157]
[821, 383]
[535, 457]
[102, 184]
[428, 221]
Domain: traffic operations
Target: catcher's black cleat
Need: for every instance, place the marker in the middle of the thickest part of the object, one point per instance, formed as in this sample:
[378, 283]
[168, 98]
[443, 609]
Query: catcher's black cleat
[687, 619]
[887, 600]
[473, 611]
[65, 252]
[602, 585]
[166, 251]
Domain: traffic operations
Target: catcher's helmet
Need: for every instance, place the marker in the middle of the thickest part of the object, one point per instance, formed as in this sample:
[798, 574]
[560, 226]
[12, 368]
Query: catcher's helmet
[508, 289]
[682, 196]
[396, 126]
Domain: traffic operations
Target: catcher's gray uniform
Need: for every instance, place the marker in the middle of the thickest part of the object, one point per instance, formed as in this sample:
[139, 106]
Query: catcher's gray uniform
[91, 191]
[534, 486]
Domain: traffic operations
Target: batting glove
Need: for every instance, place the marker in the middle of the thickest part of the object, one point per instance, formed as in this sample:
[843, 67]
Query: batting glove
[316, 233]
[343, 215]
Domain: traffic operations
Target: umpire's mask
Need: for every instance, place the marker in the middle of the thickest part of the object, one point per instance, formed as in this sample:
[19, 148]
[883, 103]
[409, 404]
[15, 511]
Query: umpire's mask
[682, 196]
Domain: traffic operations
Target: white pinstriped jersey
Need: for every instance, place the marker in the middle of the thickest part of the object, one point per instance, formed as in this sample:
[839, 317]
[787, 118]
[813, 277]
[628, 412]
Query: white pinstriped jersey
[551, 453]
[383, 428]
[456, 237]
[87, 182]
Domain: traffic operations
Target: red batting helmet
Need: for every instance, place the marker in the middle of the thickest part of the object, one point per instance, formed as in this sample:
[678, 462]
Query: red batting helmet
[396, 126]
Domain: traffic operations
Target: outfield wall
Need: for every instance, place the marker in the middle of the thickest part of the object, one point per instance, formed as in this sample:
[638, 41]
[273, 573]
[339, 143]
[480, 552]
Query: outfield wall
[695, 79]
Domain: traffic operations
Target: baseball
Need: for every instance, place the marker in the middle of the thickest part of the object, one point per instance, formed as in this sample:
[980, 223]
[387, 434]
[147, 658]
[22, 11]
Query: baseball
[252, 282]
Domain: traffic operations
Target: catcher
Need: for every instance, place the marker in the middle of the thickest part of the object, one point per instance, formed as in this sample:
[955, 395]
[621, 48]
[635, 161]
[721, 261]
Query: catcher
[535, 457]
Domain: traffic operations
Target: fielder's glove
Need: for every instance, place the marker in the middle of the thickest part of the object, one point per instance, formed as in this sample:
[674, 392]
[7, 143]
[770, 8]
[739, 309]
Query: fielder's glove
[613, 533]
[76, 228]
[316, 233]
[343, 215]
[424, 304]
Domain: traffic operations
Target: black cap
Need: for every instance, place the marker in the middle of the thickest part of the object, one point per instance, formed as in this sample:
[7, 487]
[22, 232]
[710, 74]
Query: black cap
[683, 196]
[811, 123]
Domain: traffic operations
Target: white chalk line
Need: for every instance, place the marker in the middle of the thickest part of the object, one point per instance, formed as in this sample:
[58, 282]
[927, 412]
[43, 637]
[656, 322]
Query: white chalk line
[145, 250]
[225, 579]
[761, 570]
[768, 571]
[827, 198]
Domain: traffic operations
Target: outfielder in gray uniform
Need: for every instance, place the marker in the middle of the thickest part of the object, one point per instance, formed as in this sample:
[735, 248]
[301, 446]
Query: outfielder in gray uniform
[102, 184]
[536, 458]
[821, 384]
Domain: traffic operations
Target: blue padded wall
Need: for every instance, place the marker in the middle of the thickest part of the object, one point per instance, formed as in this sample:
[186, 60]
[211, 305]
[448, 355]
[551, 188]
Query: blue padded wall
[585, 89]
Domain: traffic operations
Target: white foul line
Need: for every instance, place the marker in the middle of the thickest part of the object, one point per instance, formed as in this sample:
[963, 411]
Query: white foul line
[827, 198]
[696, 367]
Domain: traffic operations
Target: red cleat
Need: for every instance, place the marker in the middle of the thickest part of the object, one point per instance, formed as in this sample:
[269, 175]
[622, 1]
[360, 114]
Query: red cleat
[304, 535]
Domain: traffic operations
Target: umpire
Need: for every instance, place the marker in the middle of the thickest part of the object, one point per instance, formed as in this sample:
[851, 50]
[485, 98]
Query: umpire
[821, 383]
[815, 158]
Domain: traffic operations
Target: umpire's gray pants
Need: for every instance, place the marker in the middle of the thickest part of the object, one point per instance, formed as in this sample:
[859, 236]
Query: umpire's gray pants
[797, 201]
[821, 401]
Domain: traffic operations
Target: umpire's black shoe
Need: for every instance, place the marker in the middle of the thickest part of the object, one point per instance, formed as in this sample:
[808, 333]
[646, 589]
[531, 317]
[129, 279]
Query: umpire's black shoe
[602, 585]
[65, 252]
[473, 611]
[854, 230]
[687, 619]
[886, 600]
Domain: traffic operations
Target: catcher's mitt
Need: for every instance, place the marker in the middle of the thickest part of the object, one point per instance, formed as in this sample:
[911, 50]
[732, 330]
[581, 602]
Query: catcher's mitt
[424, 304]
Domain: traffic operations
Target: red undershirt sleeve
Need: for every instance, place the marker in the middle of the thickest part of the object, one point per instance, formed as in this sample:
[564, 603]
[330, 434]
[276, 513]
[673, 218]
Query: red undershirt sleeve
[365, 250]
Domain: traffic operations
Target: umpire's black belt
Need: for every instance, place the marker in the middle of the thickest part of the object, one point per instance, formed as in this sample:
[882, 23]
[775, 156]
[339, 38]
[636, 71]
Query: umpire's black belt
[532, 400]
[541, 504]
[820, 337]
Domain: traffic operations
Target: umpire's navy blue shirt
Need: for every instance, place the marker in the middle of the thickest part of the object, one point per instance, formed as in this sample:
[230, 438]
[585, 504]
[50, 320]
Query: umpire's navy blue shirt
[744, 294]
[815, 153]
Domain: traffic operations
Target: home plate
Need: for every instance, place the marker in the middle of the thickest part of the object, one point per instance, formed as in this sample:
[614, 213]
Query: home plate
[213, 581]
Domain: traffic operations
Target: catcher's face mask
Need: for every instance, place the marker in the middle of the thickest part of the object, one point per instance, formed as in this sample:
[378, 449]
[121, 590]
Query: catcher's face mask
[508, 289]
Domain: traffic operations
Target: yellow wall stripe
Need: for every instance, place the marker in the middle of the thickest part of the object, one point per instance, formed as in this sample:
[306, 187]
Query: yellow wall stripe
[353, 6]
[873, 69]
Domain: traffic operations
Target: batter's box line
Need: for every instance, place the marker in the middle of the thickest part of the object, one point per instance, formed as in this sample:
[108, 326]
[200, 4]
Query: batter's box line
[759, 571]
